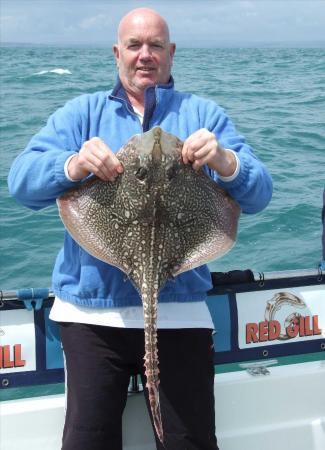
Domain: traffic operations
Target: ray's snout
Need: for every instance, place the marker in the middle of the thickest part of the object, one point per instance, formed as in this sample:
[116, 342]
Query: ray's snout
[156, 150]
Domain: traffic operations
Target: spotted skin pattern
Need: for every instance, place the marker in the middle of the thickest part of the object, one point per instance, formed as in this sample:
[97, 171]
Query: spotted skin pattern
[158, 219]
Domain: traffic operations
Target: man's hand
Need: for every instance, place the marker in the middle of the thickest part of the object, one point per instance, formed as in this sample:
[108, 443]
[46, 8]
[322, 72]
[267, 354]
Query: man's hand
[97, 158]
[203, 148]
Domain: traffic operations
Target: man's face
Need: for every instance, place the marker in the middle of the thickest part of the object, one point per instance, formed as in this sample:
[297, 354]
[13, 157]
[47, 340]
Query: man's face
[144, 55]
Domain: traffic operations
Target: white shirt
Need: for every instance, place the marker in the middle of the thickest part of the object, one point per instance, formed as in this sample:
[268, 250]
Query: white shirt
[170, 315]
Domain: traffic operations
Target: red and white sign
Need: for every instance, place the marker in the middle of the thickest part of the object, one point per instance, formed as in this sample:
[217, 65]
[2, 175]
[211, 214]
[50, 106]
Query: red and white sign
[279, 316]
[17, 341]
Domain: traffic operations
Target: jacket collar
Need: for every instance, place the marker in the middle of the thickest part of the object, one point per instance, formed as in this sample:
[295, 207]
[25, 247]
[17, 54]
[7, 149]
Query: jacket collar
[151, 100]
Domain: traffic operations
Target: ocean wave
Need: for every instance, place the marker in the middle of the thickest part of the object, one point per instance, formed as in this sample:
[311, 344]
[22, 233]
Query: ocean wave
[56, 71]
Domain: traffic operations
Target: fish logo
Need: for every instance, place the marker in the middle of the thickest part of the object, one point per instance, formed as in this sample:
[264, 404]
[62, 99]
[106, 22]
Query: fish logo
[282, 324]
[277, 302]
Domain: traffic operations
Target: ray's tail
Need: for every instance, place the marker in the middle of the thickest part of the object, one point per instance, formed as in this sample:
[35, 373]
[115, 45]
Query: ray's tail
[152, 375]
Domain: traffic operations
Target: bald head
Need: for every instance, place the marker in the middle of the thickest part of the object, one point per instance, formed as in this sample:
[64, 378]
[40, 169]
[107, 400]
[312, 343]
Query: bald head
[143, 53]
[142, 17]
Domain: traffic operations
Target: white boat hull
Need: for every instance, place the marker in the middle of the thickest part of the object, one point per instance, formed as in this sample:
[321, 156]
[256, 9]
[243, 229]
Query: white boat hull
[283, 410]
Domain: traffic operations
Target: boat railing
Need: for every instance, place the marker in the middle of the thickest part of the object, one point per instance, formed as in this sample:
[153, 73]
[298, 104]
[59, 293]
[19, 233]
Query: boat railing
[218, 278]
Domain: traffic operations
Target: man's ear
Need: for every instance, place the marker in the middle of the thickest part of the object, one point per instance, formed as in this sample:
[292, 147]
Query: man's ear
[172, 49]
[116, 52]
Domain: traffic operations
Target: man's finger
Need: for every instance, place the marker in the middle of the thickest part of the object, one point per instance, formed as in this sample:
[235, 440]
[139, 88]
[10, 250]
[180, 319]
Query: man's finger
[96, 155]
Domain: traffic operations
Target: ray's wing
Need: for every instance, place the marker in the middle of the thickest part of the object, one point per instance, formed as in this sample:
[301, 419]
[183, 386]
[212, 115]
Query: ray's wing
[87, 214]
[202, 223]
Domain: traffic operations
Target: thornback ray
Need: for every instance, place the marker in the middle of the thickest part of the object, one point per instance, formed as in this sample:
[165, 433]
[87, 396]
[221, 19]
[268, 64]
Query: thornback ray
[158, 219]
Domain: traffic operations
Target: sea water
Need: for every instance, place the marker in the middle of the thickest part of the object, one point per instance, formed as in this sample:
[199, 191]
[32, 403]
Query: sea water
[275, 97]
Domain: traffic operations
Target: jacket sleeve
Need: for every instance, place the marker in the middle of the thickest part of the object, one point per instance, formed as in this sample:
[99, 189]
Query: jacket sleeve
[252, 187]
[37, 177]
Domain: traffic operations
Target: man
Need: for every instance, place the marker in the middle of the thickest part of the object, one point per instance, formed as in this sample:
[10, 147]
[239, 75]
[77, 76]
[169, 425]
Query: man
[99, 311]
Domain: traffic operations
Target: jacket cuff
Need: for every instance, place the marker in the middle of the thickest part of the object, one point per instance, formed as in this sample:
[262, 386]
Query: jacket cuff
[241, 176]
[235, 174]
[60, 174]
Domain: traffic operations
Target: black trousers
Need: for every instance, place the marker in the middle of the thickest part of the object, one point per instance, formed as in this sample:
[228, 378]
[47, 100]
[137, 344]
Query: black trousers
[100, 361]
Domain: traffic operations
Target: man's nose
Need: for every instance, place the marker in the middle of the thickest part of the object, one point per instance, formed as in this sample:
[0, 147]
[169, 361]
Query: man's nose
[145, 52]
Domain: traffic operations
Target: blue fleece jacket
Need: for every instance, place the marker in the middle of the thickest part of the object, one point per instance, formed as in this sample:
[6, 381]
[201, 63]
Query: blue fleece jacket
[37, 178]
